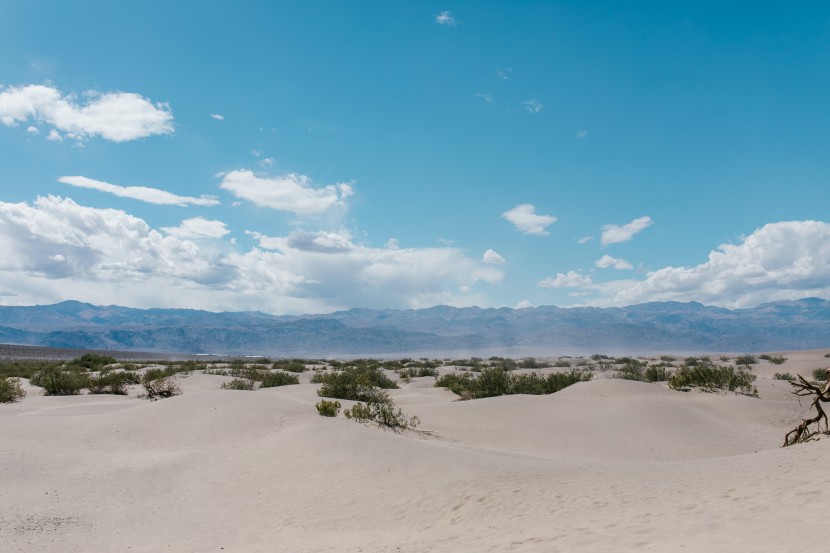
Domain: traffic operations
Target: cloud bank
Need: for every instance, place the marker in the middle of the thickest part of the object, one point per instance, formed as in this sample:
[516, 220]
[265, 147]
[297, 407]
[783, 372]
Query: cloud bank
[114, 116]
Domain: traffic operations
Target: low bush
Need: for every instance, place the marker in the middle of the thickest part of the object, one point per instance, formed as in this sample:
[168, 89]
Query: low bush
[746, 360]
[292, 366]
[820, 375]
[92, 361]
[57, 381]
[783, 376]
[668, 358]
[562, 363]
[643, 372]
[277, 378]
[353, 383]
[239, 384]
[495, 381]
[11, 390]
[327, 408]
[159, 384]
[384, 413]
[109, 382]
[711, 376]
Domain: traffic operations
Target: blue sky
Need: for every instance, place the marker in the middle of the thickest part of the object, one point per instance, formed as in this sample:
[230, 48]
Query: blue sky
[298, 157]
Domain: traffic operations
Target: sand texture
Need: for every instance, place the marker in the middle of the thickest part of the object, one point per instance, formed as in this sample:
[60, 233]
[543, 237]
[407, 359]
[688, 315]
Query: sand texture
[607, 465]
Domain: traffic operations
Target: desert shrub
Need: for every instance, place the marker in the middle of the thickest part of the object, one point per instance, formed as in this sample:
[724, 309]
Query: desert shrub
[657, 373]
[783, 376]
[383, 412]
[826, 355]
[11, 390]
[159, 384]
[532, 363]
[411, 372]
[495, 382]
[562, 363]
[292, 366]
[354, 383]
[777, 360]
[327, 408]
[667, 358]
[277, 378]
[503, 363]
[92, 361]
[109, 382]
[601, 357]
[25, 368]
[724, 358]
[746, 359]
[710, 376]
[631, 369]
[820, 374]
[57, 381]
[239, 384]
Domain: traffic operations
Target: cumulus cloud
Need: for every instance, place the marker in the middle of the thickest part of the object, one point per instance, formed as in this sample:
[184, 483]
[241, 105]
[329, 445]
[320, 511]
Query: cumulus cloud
[524, 304]
[612, 234]
[291, 192]
[198, 227]
[491, 256]
[607, 261]
[525, 219]
[787, 260]
[533, 105]
[142, 193]
[218, 116]
[56, 249]
[571, 279]
[115, 116]
[445, 18]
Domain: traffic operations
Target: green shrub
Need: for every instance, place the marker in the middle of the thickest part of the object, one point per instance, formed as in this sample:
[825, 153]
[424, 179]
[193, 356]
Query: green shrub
[668, 358]
[383, 412]
[56, 381]
[353, 383]
[239, 384]
[820, 374]
[11, 390]
[783, 376]
[562, 363]
[495, 382]
[777, 360]
[92, 361]
[745, 359]
[710, 376]
[159, 384]
[293, 366]
[327, 408]
[657, 373]
[109, 382]
[277, 378]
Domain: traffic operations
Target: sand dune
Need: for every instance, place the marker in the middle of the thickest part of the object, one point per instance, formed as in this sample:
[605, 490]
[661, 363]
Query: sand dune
[606, 465]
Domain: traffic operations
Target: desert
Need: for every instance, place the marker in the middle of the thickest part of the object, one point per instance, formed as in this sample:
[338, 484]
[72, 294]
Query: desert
[606, 464]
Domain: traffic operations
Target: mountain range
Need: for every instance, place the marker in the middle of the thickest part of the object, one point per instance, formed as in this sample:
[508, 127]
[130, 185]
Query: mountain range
[442, 330]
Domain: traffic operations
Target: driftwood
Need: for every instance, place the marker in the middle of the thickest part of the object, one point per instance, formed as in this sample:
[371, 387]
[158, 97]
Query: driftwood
[803, 432]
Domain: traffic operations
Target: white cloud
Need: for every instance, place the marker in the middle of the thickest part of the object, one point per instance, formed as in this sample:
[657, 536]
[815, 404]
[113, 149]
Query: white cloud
[218, 116]
[291, 192]
[525, 219]
[584, 239]
[491, 256]
[571, 279]
[55, 249]
[533, 105]
[267, 162]
[115, 116]
[445, 18]
[582, 133]
[504, 74]
[142, 193]
[198, 227]
[32, 130]
[524, 304]
[393, 244]
[607, 261]
[787, 260]
[488, 98]
[612, 234]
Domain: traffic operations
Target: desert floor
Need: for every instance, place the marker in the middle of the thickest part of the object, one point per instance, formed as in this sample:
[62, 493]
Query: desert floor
[607, 465]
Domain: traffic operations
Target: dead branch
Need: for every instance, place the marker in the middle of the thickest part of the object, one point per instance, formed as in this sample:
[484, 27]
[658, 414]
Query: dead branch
[803, 432]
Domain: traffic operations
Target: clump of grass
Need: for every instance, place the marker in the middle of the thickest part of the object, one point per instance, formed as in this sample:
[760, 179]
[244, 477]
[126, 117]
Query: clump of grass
[11, 390]
[783, 376]
[820, 375]
[710, 376]
[110, 382]
[326, 408]
[774, 359]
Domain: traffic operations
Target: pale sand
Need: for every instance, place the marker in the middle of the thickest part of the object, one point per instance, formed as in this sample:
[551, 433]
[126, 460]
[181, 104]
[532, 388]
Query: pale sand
[607, 465]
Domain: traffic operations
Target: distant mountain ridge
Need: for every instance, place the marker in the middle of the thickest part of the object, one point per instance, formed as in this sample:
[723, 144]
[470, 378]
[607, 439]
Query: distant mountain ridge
[545, 330]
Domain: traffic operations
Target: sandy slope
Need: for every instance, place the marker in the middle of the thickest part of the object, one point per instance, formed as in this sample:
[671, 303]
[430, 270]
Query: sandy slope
[606, 465]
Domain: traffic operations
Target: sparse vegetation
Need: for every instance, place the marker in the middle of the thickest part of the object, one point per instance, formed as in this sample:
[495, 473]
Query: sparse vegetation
[239, 384]
[775, 360]
[820, 375]
[634, 369]
[747, 359]
[383, 412]
[495, 381]
[160, 384]
[58, 381]
[783, 376]
[327, 408]
[709, 376]
[111, 382]
[11, 390]
[357, 383]
[277, 378]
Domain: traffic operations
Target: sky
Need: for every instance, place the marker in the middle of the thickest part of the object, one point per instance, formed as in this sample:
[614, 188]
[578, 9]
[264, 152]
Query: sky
[312, 156]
